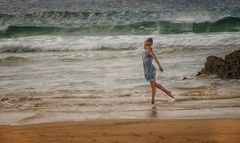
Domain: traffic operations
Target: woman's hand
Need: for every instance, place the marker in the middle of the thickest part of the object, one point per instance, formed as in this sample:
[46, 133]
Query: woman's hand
[160, 68]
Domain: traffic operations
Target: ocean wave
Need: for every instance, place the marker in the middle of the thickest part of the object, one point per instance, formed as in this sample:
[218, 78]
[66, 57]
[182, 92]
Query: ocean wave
[175, 50]
[58, 14]
[168, 44]
[23, 49]
[159, 50]
[226, 24]
[18, 49]
[115, 49]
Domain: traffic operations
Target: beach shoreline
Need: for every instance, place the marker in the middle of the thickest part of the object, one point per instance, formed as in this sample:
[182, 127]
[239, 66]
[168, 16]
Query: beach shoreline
[43, 107]
[126, 130]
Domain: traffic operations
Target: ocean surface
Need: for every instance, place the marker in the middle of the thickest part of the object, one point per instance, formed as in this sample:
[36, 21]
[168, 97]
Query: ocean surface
[81, 59]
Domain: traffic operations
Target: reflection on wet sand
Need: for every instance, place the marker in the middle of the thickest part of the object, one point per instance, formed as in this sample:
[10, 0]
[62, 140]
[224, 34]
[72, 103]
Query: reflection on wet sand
[153, 112]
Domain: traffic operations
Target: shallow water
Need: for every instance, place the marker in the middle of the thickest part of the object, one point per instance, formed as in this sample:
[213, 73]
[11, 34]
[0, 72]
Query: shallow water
[88, 84]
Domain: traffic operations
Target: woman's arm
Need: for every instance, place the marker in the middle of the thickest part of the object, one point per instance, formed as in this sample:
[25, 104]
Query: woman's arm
[155, 59]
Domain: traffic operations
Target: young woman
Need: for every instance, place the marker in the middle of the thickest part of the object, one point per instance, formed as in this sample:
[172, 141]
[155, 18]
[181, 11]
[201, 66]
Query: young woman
[150, 71]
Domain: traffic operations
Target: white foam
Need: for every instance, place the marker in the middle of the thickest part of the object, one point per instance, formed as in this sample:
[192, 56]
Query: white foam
[59, 43]
[191, 17]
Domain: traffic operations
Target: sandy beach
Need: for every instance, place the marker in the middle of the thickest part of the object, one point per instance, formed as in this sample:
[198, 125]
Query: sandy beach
[72, 71]
[222, 130]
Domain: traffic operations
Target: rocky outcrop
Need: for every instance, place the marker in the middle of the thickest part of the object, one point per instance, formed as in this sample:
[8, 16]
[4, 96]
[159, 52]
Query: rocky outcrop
[232, 65]
[223, 68]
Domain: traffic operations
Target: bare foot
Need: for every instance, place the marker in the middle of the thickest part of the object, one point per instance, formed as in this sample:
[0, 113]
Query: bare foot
[170, 94]
[171, 100]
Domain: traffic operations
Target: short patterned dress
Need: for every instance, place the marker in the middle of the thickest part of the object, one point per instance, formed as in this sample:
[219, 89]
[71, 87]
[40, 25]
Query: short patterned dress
[149, 69]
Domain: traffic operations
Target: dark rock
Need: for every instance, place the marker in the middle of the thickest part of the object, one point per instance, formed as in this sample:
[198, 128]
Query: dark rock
[199, 73]
[232, 65]
[228, 68]
[232, 60]
[4, 99]
[184, 78]
[214, 65]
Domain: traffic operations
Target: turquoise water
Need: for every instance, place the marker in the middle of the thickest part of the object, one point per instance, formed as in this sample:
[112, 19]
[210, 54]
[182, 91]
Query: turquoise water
[18, 18]
[227, 24]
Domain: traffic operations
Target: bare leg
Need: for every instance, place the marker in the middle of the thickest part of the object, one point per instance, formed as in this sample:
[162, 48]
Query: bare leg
[153, 87]
[159, 86]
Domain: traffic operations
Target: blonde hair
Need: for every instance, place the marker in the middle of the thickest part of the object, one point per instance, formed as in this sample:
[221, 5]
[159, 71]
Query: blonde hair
[150, 40]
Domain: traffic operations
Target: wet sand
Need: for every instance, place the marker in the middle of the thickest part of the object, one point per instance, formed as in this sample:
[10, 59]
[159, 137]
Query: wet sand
[223, 130]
